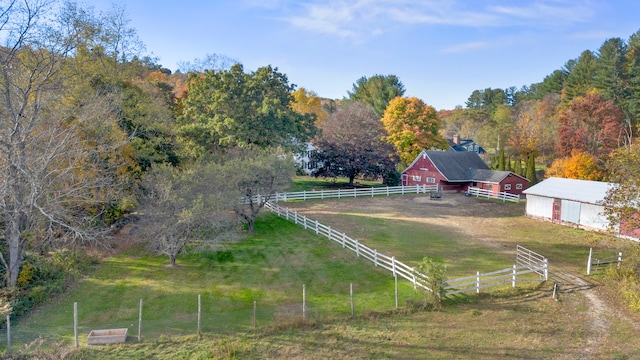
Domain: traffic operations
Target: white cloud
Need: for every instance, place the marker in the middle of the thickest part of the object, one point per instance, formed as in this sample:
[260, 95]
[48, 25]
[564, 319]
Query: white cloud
[355, 18]
[466, 47]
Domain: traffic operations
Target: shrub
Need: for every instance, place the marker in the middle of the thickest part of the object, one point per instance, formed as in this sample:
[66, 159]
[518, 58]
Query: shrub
[435, 270]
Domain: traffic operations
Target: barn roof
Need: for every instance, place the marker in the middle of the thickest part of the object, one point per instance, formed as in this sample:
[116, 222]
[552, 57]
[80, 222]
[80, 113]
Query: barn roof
[586, 191]
[456, 166]
[494, 176]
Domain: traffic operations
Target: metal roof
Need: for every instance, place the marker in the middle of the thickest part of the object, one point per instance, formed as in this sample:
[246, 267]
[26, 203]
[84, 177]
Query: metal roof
[586, 191]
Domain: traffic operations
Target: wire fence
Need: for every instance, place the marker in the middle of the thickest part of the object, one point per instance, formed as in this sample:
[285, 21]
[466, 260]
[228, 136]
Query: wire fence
[149, 322]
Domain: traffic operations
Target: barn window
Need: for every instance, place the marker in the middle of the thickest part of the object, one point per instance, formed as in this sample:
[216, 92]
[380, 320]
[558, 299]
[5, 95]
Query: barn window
[416, 177]
[430, 180]
[507, 186]
[519, 186]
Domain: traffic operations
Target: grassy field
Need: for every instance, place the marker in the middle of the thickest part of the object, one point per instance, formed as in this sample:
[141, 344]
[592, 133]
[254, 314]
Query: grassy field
[271, 266]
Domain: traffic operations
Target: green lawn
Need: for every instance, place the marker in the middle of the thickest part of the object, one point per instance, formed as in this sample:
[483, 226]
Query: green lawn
[309, 183]
[271, 267]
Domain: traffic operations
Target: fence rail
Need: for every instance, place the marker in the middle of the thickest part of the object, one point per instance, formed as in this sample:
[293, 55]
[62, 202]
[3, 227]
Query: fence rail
[474, 191]
[601, 264]
[397, 268]
[355, 192]
[491, 279]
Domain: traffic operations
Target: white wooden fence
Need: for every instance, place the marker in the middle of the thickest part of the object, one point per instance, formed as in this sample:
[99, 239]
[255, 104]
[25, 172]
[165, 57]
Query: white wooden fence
[490, 194]
[527, 262]
[601, 264]
[379, 260]
[355, 192]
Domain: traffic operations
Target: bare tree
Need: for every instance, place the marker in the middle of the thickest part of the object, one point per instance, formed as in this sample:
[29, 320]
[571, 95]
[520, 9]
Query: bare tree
[185, 206]
[56, 171]
[254, 176]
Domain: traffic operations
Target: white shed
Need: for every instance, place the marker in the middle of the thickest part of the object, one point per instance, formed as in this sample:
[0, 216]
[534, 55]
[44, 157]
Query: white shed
[569, 201]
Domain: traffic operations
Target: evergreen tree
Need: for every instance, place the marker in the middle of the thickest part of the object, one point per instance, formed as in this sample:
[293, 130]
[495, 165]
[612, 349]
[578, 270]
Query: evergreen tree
[501, 160]
[517, 166]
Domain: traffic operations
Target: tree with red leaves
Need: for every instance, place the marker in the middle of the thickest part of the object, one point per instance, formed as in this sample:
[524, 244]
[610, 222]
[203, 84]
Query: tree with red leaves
[592, 124]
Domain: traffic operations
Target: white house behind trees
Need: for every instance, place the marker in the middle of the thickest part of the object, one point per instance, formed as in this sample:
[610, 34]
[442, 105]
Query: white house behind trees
[570, 202]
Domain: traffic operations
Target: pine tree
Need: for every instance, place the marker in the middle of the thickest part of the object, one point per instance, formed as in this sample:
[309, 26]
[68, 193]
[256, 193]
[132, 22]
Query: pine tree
[517, 166]
[501, 160]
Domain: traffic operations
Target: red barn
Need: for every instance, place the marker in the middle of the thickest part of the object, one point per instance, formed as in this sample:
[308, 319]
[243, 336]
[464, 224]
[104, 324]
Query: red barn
[458, 171]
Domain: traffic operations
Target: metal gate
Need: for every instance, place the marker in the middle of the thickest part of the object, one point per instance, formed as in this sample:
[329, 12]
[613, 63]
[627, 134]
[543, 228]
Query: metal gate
[533, 261]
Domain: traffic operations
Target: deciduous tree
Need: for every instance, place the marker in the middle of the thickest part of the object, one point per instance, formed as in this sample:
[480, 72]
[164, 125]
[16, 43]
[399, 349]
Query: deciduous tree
[622, 203]
[353, 143]
[580, 165]
[412, 126]
[229, 108]
[254, 176]
[60, 161]
[592, 124]
[308, 102]
[180, 206]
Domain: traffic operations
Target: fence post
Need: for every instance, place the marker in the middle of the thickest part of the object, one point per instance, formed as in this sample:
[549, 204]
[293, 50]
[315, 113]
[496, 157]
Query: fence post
[619, 259]
[413, 274]
[75, 322]
[140, 323]
[396, 279]
[199, 313]
[351, 296]
[316, 227]
[304, 301]
[255, 306]
[344, 239]
[9, 335]
[357, 248]
[287, 213]
[477, 282]
[546, 269]
[589, 261]
[513, 279]
[372, 192]
[393, 265]
[387, 190]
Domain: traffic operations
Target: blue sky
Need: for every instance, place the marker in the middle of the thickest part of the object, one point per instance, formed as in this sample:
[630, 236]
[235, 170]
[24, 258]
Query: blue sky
[442, 50]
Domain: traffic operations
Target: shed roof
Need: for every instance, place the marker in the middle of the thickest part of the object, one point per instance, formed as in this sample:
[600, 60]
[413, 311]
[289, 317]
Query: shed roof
[586, 191]
[494, 176]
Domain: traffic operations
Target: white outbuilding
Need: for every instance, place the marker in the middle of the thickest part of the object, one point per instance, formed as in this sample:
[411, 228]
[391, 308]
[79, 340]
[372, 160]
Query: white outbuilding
[570, 202]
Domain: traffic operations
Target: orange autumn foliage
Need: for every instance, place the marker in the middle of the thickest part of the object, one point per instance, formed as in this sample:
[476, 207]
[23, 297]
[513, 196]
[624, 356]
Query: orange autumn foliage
[580, 165]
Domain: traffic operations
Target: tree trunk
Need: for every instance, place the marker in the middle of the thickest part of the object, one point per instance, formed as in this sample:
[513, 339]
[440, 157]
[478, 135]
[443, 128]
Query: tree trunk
[172, 261]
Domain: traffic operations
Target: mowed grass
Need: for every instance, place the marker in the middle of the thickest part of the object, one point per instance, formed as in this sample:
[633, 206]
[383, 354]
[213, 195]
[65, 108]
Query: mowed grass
[269, 268]
[483, 240]
[309, 183]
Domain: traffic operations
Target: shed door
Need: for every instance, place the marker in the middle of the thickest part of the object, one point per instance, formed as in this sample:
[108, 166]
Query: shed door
[405, 179]
[557, 211]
